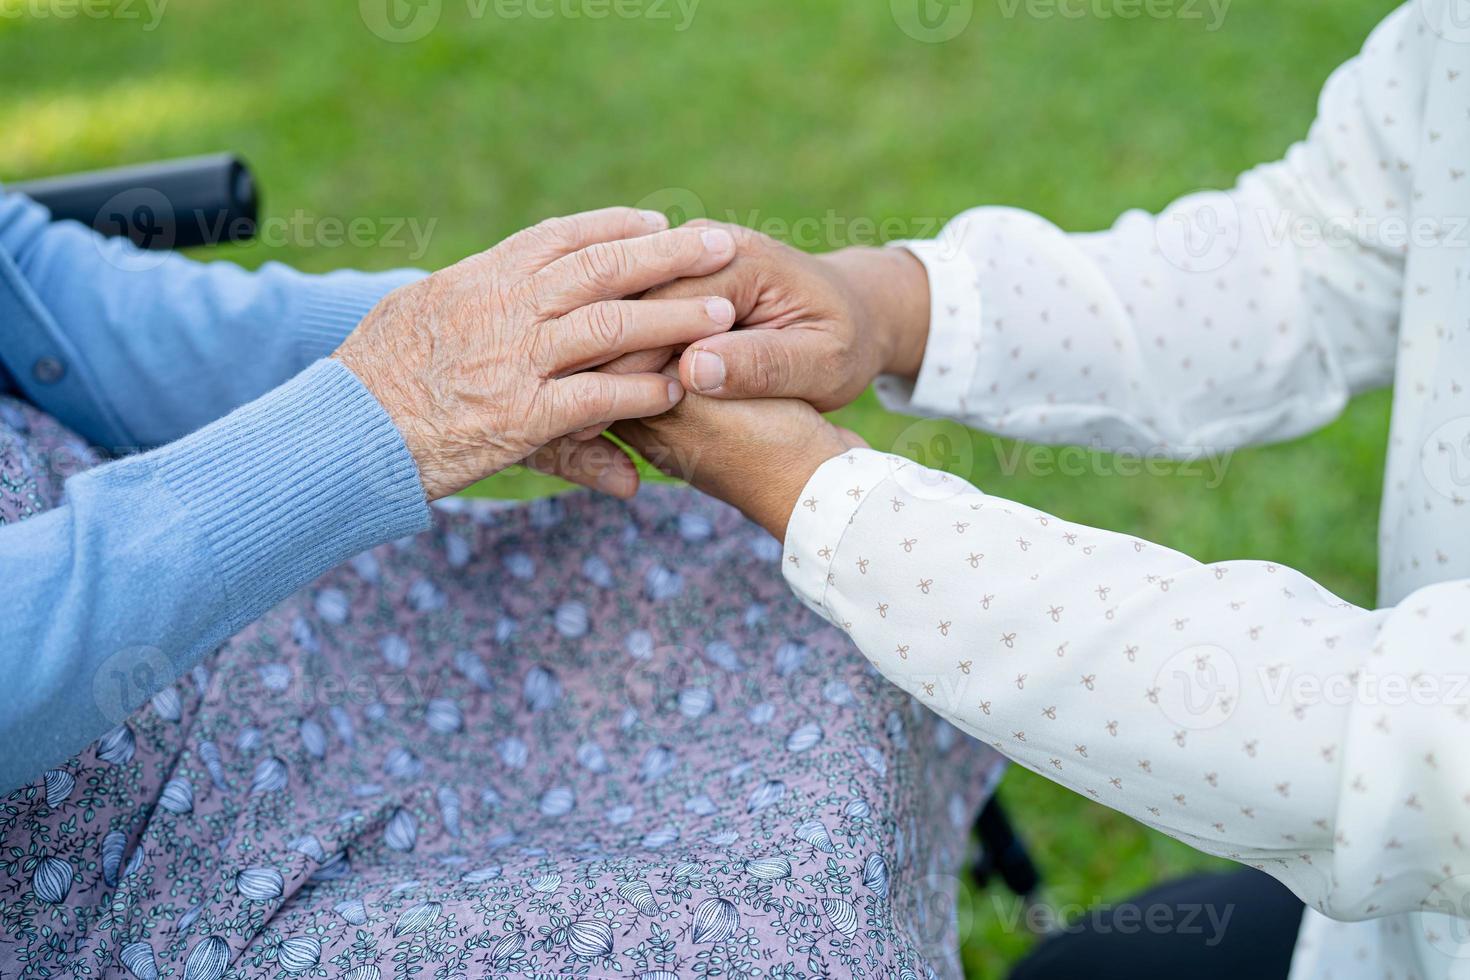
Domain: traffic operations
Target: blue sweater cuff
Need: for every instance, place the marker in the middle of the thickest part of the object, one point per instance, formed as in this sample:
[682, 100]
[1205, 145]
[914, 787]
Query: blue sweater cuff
[334, 304]
[293, 484]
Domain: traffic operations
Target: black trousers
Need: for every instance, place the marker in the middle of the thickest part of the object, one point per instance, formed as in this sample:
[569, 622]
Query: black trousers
[1232, 926]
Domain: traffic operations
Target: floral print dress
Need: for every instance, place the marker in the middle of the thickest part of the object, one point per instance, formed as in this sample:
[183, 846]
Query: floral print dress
[578, 737]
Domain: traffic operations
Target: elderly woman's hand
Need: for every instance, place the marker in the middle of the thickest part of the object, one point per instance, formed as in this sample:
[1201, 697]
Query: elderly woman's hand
[482, 364]
[756, 455]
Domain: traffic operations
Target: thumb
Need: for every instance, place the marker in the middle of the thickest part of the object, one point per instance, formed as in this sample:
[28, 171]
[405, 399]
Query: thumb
[788, 362]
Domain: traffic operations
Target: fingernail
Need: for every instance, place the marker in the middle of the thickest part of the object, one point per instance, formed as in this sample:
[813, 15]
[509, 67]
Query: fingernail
[657, 220]
[720, 310]
[676, 392]
[708, 371]
[718, 241]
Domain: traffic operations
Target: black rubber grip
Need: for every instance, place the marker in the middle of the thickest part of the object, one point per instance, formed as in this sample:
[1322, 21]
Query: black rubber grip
[171, 204]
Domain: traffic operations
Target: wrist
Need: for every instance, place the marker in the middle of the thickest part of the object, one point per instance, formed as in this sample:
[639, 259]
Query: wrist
[390, 396]
[890, 287]
[772, 506]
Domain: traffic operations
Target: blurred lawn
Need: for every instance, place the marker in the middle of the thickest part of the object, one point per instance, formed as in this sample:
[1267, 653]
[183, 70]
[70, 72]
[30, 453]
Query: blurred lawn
[770, 112]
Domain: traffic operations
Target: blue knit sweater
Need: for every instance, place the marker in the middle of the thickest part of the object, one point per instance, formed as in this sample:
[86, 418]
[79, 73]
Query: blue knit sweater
[274, 466]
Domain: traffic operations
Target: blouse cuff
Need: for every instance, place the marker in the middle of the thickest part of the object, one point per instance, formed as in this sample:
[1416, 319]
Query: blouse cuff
[952, 354]
[294, 483]
[334, 304]
[828, 504]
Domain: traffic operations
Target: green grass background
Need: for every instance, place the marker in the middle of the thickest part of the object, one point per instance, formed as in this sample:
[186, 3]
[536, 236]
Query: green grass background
[769, 111]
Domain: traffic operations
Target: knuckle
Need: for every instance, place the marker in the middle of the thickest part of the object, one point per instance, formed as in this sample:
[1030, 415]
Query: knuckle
[834, 362]
[688, 249]
[540, 348]
[606, 325]
[768, 372]
[590, 400]
[672, 250]
[763, 375]
[602, 263]
[528, 293]
[555, 231]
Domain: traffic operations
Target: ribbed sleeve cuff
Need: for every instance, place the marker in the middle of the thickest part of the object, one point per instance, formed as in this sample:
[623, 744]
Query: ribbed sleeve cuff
[953, 350]
[831, 499]
[294, 483]
[334, 304]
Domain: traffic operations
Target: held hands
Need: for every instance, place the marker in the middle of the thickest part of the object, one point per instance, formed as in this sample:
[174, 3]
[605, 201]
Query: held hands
[502, 357]
[818, 328]
[815, 331]
[485, 363]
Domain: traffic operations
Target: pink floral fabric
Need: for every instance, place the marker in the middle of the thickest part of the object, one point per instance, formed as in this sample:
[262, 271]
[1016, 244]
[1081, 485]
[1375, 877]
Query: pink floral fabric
[577, 737]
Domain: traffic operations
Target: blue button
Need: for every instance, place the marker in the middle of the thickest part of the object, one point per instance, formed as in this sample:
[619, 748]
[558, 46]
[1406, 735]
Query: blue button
[48, 370]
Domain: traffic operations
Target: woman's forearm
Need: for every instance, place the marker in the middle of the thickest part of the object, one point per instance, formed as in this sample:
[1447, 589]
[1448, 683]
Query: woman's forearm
[1230, 318]
[1238, 706]
[133, 349]
[153, 561]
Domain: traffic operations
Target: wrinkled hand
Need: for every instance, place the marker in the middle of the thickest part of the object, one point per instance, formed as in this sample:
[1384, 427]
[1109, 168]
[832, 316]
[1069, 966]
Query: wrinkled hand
[818, 328]
[485, 363]
[756, 455]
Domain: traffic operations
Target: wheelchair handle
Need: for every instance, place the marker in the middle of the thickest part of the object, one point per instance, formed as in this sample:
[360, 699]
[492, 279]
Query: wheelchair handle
[182, 203]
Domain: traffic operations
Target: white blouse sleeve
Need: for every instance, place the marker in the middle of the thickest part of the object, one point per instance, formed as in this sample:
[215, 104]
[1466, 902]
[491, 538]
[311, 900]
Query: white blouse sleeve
[1232, 318]
[1238, 707]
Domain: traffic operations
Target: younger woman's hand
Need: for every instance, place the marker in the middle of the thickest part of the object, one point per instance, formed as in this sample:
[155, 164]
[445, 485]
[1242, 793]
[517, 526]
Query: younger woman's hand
[756, 455]
[815, 327]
